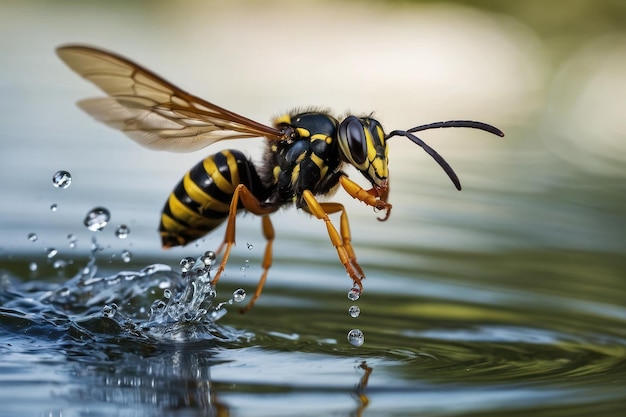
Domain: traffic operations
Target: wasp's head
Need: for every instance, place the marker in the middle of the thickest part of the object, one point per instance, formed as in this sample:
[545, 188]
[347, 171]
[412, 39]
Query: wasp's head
[363, 144]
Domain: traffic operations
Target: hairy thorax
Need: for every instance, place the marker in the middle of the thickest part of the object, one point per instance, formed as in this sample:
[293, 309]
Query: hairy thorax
[310, 160]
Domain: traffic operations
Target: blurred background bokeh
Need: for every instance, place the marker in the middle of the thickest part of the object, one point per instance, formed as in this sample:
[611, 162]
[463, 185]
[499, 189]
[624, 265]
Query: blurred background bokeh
[551, 74]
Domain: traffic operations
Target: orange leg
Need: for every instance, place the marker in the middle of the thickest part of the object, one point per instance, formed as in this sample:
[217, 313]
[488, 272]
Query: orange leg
[268, 232]
[250, 203]
[369, 197]
[344, 230]
[315, 208]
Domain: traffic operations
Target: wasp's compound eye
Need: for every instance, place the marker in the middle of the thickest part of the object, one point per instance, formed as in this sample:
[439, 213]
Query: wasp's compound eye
[351, 133]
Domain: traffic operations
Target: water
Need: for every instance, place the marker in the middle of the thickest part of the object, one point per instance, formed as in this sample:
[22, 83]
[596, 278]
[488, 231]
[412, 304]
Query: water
[61, 179]
[356, 337]
[505, 299]
[354, 311]
[97, 219]
[122, 231]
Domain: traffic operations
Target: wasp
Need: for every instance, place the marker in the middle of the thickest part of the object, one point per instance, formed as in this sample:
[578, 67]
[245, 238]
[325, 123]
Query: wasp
[304, 157]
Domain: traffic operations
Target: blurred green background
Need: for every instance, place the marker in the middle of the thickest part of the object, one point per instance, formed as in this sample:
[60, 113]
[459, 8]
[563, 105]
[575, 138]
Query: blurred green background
[551, 74]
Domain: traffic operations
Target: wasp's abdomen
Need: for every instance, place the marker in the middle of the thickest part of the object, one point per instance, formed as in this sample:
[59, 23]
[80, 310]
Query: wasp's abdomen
[201, 200]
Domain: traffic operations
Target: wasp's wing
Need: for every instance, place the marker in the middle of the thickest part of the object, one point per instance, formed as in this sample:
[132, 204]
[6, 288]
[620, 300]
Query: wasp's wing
[150, 110]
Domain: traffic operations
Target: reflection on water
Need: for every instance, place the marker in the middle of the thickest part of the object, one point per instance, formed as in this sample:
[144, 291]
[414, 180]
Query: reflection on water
[441, 346]
[507, 298]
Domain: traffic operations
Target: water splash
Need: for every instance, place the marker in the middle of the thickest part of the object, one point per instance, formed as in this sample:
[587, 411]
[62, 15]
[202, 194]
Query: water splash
[109, 310]
[155, 303]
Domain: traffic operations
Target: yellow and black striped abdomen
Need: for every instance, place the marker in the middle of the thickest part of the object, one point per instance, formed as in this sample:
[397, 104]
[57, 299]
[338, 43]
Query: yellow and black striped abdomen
[201, 200]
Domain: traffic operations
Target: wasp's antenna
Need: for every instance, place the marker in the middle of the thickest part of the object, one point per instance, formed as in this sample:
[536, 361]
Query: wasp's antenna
[430, 151]
[459, 123]
[437, 125]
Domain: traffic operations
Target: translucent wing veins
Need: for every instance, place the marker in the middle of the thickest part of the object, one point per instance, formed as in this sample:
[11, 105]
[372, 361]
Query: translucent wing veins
[152, 111]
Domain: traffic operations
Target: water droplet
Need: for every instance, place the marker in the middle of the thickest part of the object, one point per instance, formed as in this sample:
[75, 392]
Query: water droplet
[167, 293]
[250, 246]
[51, 253]
[97, 219]
[32, 266]
[354, 293]
[32, 237]
[239, 295]
[186, 264]
[126, 256]
[54, 207]
[355, 337]
[59, 264]
[354, 311]
[109, 310]
[61, 179]
[71, 240]
[217, 314]
[208, 258]
[122, 231]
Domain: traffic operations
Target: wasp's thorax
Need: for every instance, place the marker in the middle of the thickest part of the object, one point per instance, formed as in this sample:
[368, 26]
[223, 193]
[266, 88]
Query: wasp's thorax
[362, 143]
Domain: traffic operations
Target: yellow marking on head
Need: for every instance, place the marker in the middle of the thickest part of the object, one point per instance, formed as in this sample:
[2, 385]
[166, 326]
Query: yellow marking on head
[371, 148]
[380, 167]
[383, 141]
[377, 166]
[276, 173]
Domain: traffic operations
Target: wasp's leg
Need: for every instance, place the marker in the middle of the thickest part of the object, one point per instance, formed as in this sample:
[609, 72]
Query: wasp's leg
[369, 197]
[344, 230]
[316, 209]
[250, 203]
[268, 232]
